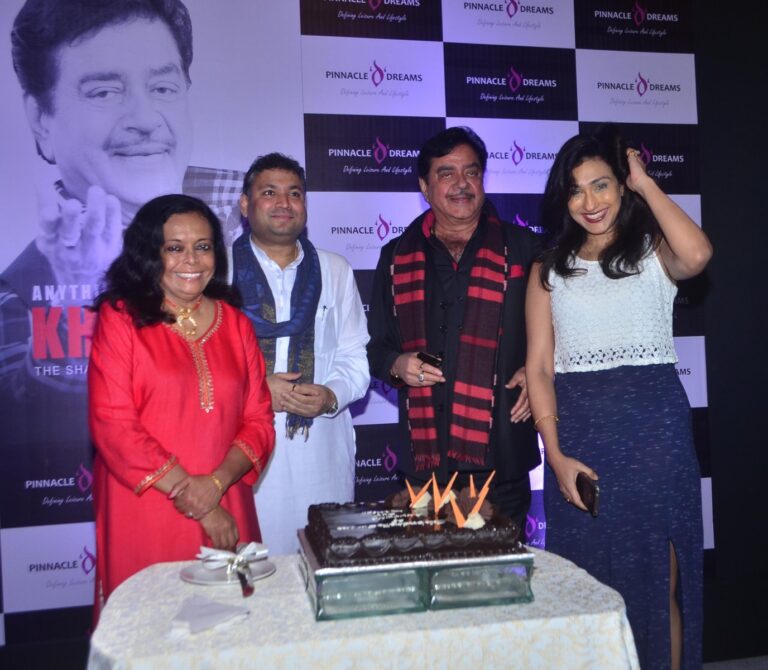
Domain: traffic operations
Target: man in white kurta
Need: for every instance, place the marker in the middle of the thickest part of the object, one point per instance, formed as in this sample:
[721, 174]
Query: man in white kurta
[316, 465]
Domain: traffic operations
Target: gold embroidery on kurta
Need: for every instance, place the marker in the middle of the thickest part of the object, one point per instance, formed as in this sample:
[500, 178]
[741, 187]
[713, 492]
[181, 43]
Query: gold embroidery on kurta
[204, 377]
[157, 474]
[250, 453]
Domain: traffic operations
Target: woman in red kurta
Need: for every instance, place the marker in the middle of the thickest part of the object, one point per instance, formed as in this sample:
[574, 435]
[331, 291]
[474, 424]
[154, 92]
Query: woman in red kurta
[180, 411]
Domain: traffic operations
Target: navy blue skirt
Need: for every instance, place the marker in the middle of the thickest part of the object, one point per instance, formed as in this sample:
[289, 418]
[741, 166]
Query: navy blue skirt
[632, 426]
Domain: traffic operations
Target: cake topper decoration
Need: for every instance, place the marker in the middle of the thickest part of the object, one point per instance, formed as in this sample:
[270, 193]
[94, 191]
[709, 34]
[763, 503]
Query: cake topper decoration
[440, 498]
[473, 519]
[416, 497]
[483, 493]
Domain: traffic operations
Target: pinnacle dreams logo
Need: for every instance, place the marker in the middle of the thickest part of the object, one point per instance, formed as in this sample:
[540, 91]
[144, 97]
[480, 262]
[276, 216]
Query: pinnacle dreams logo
[375, 5]
[640, 86]
[659, 165]
[517, 154]
[534, 529]
[82, 480]
[519, 159]
[387, 460]
[378, 159]
[649, 157]
[521, 221]
[510, 7]
[85, 563]
[381, 228]
[637, 14]
[376, 74]
[67, 490]
[379, 151]
[512, 86]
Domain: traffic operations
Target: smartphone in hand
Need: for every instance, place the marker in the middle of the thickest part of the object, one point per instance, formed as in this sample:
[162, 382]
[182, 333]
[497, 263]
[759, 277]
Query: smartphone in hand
[589, 492]
[430, 359]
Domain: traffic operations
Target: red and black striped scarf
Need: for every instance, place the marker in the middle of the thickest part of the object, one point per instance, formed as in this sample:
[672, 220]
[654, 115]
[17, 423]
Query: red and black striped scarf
[472, 409]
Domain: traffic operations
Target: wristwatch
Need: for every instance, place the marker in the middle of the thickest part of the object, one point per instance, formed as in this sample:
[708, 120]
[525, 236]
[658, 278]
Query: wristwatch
[334, 406]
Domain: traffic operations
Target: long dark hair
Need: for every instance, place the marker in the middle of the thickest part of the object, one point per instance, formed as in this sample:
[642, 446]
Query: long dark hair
[133, 279]
[635, 223]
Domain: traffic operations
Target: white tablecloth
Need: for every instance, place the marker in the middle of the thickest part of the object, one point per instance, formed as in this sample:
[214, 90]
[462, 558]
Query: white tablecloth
[573, 622]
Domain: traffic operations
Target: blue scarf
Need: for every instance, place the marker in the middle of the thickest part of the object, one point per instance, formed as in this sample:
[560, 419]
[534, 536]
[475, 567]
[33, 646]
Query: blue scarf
[259, 307]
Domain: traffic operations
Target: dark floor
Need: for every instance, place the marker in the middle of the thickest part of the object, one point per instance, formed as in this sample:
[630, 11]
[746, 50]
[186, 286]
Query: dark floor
[69, 654]
[757, 663]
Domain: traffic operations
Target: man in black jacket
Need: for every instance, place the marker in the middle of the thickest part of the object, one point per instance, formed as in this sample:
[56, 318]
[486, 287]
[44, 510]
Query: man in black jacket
[453, 286]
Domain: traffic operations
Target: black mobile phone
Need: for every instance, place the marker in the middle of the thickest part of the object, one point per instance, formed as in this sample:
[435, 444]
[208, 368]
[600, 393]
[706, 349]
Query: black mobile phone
[429, 359]
[589, 492]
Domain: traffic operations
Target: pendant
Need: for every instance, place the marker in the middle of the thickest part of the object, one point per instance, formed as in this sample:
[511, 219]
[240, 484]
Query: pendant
[186, 322]
[184, 319]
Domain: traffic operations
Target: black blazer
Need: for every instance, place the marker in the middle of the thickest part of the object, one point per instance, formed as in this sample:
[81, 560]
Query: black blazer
[513, 449]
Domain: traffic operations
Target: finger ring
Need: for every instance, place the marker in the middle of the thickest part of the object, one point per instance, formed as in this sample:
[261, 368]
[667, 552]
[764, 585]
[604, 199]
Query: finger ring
[421, 377]
[189, 515]
[567, 500]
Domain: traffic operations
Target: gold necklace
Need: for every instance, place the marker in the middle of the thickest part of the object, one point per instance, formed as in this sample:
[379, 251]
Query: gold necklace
[184, 319]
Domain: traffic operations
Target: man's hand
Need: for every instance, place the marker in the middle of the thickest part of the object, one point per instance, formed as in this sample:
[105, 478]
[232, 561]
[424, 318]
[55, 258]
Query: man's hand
[308, 400]
[220, 526]
[415, 372]
[80, 241]
[521, 411]
[281, 383]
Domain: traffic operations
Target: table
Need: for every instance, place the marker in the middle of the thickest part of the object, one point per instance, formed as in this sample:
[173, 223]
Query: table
[574, 622]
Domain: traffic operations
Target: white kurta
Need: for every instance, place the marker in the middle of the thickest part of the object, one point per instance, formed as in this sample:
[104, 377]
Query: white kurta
[322, 468]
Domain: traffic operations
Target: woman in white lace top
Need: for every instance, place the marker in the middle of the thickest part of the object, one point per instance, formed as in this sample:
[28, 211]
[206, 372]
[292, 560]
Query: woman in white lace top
[604, 392]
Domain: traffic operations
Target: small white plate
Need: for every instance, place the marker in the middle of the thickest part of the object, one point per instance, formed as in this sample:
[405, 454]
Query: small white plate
[197, 574]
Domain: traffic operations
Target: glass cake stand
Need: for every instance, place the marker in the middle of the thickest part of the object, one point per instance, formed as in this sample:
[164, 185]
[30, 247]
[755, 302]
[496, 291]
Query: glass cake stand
[372, 590]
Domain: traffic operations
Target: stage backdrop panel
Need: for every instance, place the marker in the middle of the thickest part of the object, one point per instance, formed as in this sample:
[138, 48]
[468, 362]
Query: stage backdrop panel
[351, 88]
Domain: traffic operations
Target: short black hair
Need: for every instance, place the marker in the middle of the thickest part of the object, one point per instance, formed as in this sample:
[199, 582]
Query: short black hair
[273, 161]
[134, 276]
[42, 26]
[446, 141]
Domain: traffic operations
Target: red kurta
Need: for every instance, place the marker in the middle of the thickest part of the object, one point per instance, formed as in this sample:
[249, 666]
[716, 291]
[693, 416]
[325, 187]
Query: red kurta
[156, 399]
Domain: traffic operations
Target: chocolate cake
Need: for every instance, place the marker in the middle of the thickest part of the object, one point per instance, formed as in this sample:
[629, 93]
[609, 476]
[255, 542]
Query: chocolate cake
[356, 534]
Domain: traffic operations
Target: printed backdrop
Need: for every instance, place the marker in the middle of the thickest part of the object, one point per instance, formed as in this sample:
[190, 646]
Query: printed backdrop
[351, 88]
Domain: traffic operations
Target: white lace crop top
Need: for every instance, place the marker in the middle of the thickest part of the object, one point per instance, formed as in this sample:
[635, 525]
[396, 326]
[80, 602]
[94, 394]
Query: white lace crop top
[603, 323]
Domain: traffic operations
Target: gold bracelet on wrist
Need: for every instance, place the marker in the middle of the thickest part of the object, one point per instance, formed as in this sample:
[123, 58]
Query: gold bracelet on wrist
[546, 416]
[218, 483]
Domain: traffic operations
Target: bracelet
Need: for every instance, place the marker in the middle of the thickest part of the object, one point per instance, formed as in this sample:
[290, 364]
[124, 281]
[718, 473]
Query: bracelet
[218, 483]
[546, 416]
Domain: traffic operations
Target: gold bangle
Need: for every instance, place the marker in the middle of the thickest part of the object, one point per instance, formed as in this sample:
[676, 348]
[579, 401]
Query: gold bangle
[218, 483]
[546, 416]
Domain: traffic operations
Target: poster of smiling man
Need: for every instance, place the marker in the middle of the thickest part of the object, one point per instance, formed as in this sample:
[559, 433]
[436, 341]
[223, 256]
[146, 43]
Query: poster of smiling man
[116, 102]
